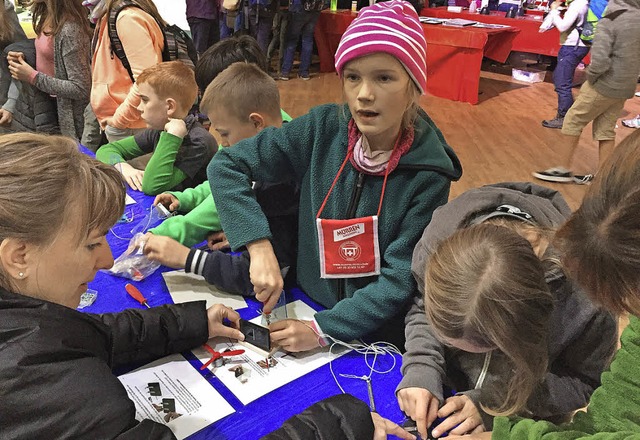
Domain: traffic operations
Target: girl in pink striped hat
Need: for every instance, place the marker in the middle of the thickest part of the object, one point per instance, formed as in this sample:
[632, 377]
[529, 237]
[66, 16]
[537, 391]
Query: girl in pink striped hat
[371, 173]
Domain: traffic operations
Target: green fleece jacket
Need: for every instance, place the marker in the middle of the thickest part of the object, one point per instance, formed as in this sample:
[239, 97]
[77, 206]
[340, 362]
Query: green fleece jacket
[310, 149]
[614, 409]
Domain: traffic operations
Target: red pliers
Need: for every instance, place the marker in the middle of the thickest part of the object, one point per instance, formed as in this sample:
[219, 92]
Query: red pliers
[215, 355]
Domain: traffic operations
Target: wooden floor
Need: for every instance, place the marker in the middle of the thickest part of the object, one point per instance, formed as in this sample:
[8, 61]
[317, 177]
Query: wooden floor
[499, 139]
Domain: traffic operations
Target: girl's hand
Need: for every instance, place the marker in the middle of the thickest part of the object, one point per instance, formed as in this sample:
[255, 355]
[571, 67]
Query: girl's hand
[294, 335]
[384, 428]
[265, 275]
[131, 175]
[19, 69]
[460, 417]
[420, 405]
[167, 200]
[216, 315]
[165, 250]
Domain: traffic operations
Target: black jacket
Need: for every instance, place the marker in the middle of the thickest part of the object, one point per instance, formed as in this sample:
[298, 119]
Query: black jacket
[340, 417]
[56, 364]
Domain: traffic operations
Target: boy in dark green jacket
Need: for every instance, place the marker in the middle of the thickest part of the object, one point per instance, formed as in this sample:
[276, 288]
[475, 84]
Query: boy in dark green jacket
[242, 101]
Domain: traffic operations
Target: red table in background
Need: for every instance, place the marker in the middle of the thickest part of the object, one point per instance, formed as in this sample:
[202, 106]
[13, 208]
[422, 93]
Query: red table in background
[454, 54]
[528, 40]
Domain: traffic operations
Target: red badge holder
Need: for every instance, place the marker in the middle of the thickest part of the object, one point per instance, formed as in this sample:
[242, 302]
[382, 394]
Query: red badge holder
[349, 248]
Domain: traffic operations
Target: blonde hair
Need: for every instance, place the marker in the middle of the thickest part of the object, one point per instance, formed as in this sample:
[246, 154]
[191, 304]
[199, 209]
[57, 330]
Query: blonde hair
[56, 13]
[172, 79]
[600, 243]
[242, 89]
[411, 112]
[539, 237]
[41, 177]
[485, 285]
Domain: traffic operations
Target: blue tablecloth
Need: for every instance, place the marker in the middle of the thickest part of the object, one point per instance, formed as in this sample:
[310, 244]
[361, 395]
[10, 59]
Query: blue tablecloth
[268, 412]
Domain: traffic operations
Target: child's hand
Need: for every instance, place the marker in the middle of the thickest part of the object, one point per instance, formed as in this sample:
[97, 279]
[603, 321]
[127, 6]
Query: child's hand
[460, 417]
[384, 428]
[166, 251]
[18, 68]
[176, 127]
[294, 335]
[420, 405]
[5, 117]
[264, 272]
[15, 56]
[131, 175]
[167, 200]
[555, 5]
[217, 241]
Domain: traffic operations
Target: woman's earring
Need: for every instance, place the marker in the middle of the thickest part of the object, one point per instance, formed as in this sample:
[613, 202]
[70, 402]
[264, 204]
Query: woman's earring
[20, 274]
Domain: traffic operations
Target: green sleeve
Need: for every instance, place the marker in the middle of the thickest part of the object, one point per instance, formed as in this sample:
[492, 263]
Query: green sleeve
[192, 197]
[119, 151]
[193, 227]
[161, 174]
[526, 429]
[285, 116]
[614, 409]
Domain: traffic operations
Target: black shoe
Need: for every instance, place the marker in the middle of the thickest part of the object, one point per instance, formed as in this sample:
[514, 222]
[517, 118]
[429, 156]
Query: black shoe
[553, 123]
[560, 175]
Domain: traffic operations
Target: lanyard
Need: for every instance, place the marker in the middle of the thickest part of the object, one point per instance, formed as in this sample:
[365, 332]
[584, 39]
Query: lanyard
[335, 180]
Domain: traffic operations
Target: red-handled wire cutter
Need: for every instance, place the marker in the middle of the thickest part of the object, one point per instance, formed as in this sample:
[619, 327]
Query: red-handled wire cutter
[215, 355]
[136, 294]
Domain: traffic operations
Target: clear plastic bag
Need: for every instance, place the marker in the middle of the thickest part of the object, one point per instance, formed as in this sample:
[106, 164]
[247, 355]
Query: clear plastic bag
[133, 264]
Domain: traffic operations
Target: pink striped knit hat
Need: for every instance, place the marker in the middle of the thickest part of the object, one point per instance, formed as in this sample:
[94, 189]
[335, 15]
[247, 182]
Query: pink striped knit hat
[391, 27]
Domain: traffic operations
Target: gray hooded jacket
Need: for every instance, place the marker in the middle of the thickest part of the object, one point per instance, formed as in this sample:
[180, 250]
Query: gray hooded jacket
[615, 54]
[582, 338]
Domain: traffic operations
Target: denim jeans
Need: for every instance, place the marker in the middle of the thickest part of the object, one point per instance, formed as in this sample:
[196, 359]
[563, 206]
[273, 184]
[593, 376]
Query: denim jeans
[568, 59]
[260, 23]
[226, 31]
[300, 24]
[278, 41]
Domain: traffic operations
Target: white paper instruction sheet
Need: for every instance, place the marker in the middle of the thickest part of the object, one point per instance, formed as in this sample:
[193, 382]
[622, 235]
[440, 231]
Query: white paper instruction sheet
[185, 287]
[170, 391]
[248, 377]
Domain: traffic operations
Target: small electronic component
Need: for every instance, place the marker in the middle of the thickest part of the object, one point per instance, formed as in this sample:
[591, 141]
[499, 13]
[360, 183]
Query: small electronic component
[279, 311]
[87, 298]
[256, 335]
[163, 212]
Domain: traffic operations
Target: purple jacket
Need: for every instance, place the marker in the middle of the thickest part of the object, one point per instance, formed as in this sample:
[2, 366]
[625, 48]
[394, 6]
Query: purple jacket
[202, 9]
